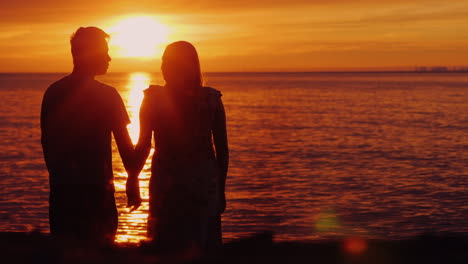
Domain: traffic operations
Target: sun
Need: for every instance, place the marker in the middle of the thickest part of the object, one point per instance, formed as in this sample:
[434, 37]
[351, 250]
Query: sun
[137, 37]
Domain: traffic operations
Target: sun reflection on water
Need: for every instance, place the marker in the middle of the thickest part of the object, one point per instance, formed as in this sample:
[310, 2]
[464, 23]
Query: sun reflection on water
[137, 83]
[132, 225]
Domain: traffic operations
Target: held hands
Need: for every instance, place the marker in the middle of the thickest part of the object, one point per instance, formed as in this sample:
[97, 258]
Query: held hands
[133, 193]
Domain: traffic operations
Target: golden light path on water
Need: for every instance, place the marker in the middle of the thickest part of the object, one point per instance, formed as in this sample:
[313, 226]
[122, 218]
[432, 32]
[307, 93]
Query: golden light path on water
[132, 225]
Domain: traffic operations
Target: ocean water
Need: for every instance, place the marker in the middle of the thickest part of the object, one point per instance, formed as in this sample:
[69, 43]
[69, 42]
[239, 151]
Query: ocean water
[313, 155]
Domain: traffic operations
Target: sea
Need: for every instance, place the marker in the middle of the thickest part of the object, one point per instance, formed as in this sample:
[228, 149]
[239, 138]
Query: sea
[313, 156]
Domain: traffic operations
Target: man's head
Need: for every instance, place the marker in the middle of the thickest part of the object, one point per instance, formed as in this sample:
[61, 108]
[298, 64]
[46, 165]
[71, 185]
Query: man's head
[90, 51]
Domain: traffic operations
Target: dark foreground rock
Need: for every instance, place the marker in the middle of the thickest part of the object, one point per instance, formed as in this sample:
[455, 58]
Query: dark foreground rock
[41, 248]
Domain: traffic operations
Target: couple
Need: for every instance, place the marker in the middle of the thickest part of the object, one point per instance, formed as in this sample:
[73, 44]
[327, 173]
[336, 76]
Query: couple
[78, 116]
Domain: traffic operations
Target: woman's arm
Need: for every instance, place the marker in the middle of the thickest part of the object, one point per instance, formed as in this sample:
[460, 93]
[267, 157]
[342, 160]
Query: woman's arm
[143, 146]
[222, 151]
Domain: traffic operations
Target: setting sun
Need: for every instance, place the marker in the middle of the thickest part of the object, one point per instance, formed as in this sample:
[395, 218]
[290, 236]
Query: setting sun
[138, 37]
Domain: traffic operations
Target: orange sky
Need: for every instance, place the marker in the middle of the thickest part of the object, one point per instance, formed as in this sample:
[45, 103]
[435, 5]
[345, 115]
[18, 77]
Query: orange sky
[245, 35]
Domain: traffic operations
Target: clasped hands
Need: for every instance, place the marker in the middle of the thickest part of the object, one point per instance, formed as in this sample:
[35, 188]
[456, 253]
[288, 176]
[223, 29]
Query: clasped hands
[132, 189]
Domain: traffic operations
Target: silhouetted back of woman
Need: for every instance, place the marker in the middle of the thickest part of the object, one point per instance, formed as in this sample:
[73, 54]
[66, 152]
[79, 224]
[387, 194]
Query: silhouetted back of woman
[188, 174]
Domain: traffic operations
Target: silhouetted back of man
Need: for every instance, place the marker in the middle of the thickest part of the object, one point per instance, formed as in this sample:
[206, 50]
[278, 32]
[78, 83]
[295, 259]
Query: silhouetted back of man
[77, 118]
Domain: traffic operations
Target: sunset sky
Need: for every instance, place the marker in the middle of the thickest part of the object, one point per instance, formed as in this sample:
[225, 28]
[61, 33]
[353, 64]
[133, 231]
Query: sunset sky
[242, 35]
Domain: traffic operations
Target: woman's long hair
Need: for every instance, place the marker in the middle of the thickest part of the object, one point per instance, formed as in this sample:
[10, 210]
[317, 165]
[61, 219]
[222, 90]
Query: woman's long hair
[181, 66]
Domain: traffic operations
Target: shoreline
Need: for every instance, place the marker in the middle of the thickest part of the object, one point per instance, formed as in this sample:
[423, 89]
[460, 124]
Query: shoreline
[260, 248]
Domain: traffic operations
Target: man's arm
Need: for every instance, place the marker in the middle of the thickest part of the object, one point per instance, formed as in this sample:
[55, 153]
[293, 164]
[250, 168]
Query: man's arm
[44, 143]
[125, 146]
[46, 130]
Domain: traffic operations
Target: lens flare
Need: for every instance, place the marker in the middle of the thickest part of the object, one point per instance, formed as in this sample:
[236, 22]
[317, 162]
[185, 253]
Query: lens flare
[327, 222]
[354, 246]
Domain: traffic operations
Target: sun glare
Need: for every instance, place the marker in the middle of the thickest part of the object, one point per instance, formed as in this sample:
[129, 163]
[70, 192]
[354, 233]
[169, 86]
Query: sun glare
[138, 82]
[138, 37]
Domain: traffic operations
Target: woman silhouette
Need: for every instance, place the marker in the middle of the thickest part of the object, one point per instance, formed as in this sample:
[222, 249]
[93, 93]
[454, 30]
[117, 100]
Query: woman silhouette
[187, 175]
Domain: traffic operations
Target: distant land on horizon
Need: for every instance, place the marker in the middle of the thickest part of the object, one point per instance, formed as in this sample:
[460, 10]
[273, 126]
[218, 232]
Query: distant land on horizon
[417, 69]
[429, 69]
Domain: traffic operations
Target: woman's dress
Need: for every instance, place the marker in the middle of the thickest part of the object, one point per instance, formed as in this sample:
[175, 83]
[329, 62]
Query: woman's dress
[183, 202]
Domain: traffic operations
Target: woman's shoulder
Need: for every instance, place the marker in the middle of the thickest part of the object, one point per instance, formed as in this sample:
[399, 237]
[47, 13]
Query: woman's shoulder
[214, 97]
[213, 92]
[153, 91]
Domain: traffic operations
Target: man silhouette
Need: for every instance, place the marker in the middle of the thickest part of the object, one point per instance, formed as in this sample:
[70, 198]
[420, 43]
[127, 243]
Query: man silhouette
[77, 118]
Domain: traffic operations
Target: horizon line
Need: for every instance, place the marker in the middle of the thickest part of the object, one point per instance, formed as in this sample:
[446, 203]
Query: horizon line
[384, 69]
[274, 71]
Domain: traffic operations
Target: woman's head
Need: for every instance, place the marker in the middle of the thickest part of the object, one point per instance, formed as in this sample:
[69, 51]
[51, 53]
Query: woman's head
[181, 66]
